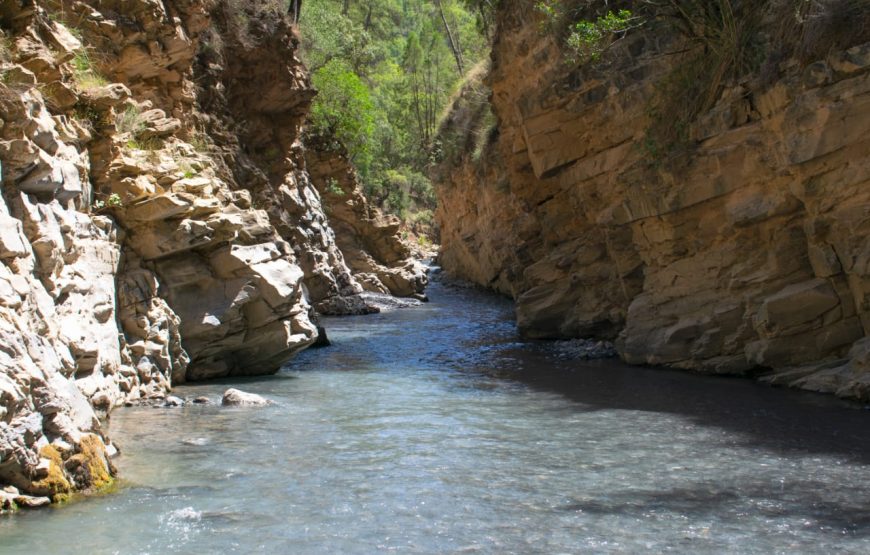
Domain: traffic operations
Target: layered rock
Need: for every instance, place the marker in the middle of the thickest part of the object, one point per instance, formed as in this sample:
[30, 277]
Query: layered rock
[380, 261]
[747, 252]
[157, 223]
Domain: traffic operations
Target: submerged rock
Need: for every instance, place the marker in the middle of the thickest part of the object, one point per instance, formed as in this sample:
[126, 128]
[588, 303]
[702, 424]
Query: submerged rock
[173, 401]
[584, 349]
[238, 398]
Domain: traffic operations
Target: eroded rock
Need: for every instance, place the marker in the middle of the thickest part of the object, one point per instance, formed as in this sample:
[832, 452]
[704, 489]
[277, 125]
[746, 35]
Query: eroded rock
[146, 237]
[749, 252]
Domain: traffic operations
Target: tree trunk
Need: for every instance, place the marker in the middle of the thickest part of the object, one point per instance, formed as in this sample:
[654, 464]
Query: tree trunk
[454, 45]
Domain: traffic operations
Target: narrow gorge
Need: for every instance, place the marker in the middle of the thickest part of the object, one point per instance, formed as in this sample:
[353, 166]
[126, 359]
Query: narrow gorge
[533, 241]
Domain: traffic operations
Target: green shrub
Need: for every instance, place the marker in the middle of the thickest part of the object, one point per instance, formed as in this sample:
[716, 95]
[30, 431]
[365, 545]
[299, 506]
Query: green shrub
[112, 201]
[589, 39]
[583, 33]
[332, 187]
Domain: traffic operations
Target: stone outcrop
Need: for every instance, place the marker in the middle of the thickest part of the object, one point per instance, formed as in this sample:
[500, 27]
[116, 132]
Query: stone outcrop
[380, 261]
[747, 252]
[157, 220]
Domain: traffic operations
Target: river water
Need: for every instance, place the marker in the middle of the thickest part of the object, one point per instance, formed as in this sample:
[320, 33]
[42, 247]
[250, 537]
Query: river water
[436, 430]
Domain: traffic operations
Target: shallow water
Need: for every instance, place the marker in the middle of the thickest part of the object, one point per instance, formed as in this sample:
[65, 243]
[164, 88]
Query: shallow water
[435, 430]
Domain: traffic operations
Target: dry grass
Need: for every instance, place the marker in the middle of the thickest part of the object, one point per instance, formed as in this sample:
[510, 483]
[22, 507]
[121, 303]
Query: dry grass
[735, 40]
[467, 122]
[5, 48]
[85, 73]
[818, 27]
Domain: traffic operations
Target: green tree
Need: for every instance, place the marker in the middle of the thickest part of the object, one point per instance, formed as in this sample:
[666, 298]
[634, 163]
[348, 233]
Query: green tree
[343, 109]
[401, 52]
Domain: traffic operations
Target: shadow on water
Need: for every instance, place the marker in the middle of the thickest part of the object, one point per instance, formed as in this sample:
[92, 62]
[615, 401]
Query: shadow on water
[471, 332]
[707, 500]
[764, 416]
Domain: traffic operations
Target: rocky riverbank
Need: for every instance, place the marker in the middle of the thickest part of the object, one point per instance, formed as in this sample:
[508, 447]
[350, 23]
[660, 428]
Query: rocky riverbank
[732, 239]
[159, 222]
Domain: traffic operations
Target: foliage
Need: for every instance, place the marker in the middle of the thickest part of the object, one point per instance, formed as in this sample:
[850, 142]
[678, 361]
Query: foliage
[484, 15]
[343, 109]
[187, 169]
[400, 53]
[582, 28]
[423, 241]
[333, 188]
[112, 201]
[589, 39]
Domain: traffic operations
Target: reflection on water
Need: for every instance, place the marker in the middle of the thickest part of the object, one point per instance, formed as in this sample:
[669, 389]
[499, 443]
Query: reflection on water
[434, 430]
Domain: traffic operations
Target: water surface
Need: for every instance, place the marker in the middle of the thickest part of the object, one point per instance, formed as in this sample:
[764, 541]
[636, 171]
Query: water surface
[435, 430]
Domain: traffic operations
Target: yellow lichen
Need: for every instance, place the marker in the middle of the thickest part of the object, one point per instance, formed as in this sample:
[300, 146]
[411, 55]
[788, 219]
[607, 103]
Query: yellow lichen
[55, 484]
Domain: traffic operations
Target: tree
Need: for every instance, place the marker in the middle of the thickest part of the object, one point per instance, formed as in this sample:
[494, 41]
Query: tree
[452, 40]
[343, 109]
[403, 53]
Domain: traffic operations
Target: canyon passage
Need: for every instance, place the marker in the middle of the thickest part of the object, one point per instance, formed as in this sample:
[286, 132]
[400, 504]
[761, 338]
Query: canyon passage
[193, 191]
[436, 429]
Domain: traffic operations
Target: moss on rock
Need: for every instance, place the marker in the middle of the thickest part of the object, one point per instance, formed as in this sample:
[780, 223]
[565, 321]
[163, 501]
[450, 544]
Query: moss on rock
[90, 464]
[55, 484]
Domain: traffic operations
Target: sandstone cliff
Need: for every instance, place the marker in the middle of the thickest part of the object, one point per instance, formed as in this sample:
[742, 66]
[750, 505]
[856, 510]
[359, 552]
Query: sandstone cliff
[746, 250]
[158, 223]
[380, 261]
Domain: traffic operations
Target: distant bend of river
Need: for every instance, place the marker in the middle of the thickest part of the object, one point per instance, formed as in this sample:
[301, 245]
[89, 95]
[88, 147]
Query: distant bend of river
[436, 430]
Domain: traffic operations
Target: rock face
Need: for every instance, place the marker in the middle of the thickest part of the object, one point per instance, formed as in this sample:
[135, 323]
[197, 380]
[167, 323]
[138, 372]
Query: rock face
[380, 261]
[157, 220]
[748, 252]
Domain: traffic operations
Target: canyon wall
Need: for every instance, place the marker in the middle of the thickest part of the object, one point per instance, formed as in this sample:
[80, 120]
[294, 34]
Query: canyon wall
[746, 251]
[158, 223]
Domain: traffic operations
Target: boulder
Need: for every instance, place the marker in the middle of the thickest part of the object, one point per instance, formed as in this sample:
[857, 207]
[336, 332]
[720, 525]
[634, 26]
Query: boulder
[238, 398]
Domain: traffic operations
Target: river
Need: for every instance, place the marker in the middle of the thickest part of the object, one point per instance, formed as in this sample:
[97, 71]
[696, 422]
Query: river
[436, 430]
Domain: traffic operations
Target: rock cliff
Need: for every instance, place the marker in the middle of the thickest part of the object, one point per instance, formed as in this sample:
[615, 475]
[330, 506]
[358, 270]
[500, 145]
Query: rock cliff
[744, 249]
[380, 261]
[157, 223]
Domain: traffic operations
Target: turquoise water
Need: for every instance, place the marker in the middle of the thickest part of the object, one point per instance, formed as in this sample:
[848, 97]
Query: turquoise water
[435, 430]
